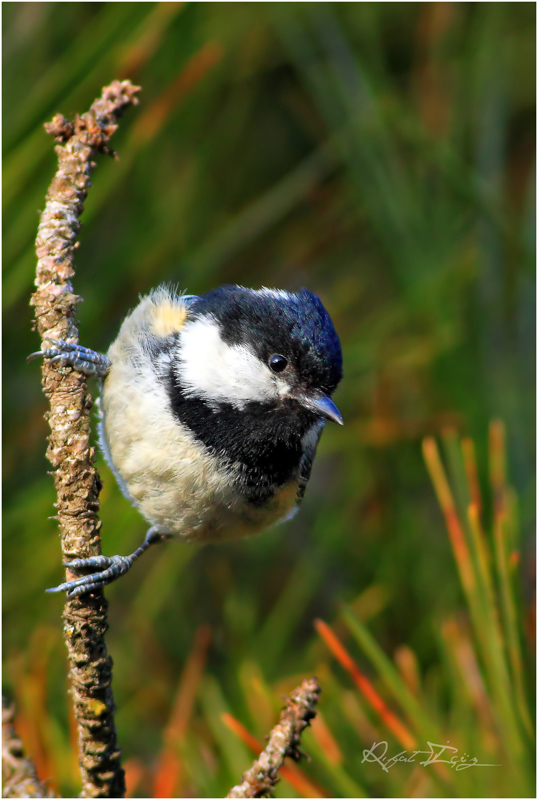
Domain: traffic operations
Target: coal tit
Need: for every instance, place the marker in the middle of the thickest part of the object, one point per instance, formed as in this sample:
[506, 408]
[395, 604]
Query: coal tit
[211, 412]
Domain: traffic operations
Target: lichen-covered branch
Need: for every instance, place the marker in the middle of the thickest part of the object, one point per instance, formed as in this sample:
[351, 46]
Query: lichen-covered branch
[284, 741]
[76, 480]
[19, 777]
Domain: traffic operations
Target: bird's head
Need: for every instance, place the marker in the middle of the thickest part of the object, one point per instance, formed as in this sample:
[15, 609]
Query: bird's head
[242, 346]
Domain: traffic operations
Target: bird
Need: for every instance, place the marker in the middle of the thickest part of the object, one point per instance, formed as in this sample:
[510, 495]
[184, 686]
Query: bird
[211, 408]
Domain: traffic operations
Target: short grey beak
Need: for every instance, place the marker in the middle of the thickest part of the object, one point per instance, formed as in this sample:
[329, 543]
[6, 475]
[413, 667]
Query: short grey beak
[325, 407]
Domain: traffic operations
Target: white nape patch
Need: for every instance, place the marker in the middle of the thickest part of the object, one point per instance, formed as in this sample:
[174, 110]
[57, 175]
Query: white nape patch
[210, 368]
[278, 294]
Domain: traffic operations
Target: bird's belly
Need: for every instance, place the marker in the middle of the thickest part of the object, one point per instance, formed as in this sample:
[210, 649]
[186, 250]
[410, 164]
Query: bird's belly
[198, 504]
[177, 484]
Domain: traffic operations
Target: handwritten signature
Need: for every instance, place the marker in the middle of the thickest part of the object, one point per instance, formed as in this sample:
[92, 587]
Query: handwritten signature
[434, 755]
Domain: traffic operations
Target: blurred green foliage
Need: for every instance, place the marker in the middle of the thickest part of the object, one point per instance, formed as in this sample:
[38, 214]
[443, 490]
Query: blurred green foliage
[381, 154]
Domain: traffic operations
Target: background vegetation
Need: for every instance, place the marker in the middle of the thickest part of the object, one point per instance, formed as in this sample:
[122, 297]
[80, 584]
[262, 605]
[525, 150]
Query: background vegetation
[383, 155]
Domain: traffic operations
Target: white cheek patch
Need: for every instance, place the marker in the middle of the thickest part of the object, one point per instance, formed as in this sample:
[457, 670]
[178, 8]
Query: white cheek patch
[210, 368]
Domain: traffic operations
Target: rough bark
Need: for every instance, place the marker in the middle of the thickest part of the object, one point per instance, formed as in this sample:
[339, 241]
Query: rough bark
[19, 777]
[76, 480]
[284, 741]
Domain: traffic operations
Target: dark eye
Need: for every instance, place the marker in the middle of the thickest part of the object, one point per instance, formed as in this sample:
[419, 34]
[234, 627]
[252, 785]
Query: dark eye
[278, 363]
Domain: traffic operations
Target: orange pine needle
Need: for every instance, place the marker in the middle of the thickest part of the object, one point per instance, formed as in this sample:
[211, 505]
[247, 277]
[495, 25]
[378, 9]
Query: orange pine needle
[152, 120]
[407, 663]
[136, 54]
[324, 737]
[513, 560]
[241, 732]
[168, 770]
[448, 507]
[402, 734]
[134, 772]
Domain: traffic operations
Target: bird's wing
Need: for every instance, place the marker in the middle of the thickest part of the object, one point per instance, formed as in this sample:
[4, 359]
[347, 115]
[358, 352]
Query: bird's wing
[305, 467]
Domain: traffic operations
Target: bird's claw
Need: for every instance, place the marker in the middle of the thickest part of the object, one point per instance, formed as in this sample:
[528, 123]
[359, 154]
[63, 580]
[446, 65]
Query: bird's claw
[114, 567]
[74, 355]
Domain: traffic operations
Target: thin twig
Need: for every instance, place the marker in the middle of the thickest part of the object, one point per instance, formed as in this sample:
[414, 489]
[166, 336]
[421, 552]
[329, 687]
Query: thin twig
[284, 741]
[19, 776]
[76, 479]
